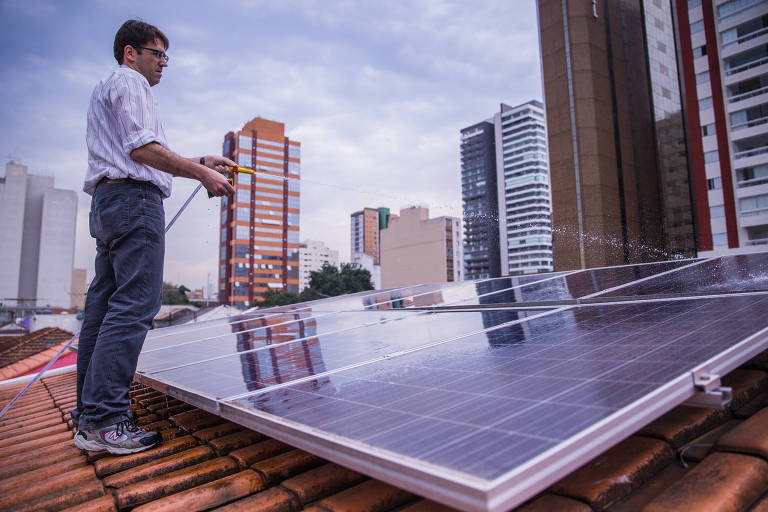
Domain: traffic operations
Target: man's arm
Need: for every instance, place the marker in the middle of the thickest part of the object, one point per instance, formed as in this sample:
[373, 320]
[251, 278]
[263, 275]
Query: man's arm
[155, 155]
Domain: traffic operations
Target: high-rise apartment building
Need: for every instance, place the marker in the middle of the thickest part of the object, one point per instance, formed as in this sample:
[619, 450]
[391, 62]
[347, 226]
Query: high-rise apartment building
[364, 243]
[416, 249]
[618, 161]
[724, 61]
[480, 202]
[312, 256]
[37, 229]
[259, 241]
[522, 174]
[505, 192]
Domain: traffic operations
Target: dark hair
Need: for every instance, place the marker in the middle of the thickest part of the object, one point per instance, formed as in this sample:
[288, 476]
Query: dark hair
[136, 33]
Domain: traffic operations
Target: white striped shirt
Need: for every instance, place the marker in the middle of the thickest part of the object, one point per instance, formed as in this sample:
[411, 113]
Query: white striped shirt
[122, 117]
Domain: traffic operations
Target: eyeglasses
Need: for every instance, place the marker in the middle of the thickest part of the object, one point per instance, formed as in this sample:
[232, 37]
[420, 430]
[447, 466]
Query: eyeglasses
[159, 54]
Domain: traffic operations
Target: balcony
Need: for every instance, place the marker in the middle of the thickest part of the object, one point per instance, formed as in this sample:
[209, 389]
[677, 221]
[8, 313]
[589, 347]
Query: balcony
[746, 60]
[749, 148]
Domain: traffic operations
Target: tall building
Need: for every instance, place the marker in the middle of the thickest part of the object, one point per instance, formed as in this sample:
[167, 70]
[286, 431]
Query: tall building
[505, 193]
[618, 162]
[724, 61]
[480, 202]
[312, 256]
[37, 229]
[365, 244]
[259, 241]
[522, 174]
[416, 249]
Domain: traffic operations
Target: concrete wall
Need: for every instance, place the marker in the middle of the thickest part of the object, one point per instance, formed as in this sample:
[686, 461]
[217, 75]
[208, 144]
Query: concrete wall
[13, 194]
[413, 249]
[57, 248]
[30, 245]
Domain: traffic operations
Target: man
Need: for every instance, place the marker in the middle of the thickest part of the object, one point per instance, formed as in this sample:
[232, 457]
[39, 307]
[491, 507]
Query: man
[129, 174]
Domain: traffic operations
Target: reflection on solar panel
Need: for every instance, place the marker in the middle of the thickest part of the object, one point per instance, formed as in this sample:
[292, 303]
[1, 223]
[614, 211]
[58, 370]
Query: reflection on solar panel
[494, 392]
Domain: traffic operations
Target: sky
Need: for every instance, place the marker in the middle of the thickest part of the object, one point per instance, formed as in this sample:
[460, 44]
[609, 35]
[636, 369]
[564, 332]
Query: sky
[376, 92]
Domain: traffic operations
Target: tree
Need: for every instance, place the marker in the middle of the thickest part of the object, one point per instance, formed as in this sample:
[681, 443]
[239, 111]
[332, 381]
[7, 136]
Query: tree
[173, 294]
[329, 281]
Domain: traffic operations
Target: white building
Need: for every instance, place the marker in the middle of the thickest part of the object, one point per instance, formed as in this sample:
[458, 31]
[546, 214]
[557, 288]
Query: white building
[731, 120]
[37, 229]
[524, 201]
[312, 256]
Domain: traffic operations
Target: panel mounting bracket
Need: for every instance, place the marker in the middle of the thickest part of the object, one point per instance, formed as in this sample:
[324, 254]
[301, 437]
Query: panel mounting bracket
[709, 391]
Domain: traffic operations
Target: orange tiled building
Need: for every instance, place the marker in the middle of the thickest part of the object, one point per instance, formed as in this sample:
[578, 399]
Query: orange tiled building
[259, 237]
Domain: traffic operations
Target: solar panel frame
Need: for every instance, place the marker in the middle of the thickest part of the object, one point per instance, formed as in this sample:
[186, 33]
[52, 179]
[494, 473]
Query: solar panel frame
[458, 488]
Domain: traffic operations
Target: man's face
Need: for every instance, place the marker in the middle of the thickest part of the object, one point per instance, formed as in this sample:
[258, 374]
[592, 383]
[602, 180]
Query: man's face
[148, 63]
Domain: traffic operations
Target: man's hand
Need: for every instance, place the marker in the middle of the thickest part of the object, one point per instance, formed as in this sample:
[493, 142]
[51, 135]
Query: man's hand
[216, 184]
[218, 163]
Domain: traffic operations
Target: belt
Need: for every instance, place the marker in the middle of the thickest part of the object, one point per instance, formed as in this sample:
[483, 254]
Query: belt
[114, 180]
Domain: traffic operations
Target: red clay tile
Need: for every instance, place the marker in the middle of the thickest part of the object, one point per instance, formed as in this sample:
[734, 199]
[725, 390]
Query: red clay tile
[196, 419]
[760, 362]
[751, 407]
[750, 437]
[159, 425]
[426, 506]
[35, 444]
[551, 502]
[148, 418]
[655, 486]
[721, 482]
[170, 433]
[29, 426]
[159, 466]
[275, 499]
[176, 481]
[683, 424]
[31, 435]
[58, 500]
[287, 464]
[761, 505]
[369, 496]
[62, 482]
[696, 450]
[746, 384]
[169, 411]
[224, 445]
[9, 483]
[321, 482]
[103, 504]
[223, 429]
[259, 451]
[40, 452]
[156, 399]
[209, 495]
[32, 463]
[113, 464]
[611, 476]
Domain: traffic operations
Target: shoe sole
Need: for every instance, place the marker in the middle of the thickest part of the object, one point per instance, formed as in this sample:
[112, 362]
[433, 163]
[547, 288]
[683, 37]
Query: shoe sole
[96, 446]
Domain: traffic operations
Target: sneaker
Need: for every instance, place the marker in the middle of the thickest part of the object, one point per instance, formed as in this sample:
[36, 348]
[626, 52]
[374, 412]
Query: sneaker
[119, 439]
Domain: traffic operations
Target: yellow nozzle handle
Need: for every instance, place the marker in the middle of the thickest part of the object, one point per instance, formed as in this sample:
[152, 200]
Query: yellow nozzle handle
[242, 169]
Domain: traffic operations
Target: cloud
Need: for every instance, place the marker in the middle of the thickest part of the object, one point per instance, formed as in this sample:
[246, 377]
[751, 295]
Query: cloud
[376, 93]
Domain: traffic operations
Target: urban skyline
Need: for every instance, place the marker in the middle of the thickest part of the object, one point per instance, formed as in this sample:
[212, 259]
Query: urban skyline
[375, 93]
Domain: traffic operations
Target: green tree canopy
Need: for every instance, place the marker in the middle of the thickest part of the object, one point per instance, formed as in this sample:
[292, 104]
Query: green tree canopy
[329, 281]
[173, 294]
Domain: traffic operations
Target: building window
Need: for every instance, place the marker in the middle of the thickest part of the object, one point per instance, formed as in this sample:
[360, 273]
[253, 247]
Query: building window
[244, 142]
[702, 78]
[244, 160]
[719, 239]
[697, 26]
[705, 103]
[707, 129]
[243, 196]
[699, 51]
[753, 205]
[294, 151]
[714, 184]
[243, 178]
[243, 214]
[293, 168]
[693, 3]
[710, 156]
[242, 232]
[716, 212]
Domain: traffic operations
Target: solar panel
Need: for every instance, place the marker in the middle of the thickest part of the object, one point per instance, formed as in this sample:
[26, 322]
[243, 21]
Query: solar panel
[484, 407]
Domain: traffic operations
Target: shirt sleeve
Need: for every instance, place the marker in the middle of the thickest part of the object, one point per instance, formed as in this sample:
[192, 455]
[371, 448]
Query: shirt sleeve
[133, 107]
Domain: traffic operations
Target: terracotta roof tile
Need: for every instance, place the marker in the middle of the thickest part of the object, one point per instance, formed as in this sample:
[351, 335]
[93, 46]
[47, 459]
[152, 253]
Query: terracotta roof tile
[102, 504]
[285, 465]
[57, 500]
[322, 481]
[551, 502]
[209, 495]
[33, 463]
[721, 482]
[700, 447]
[682, 424]
[160, 466]
[196, 419]
[113, 464]
[175, 481]
[652, 488]
[225, 444]
[761, 505]
[613, 475]
[24, 477]
[369, 496]
[751, 407]
[257, 452]
[748, 437]
[35, 490]
[426, 506]
[275, 499]
[220, 430]
[746, 384]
